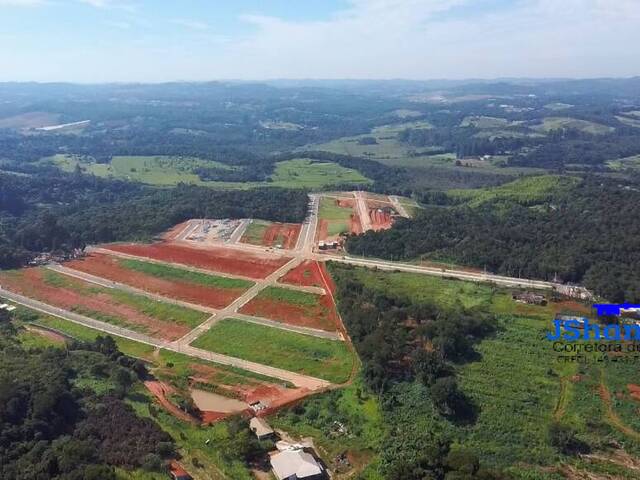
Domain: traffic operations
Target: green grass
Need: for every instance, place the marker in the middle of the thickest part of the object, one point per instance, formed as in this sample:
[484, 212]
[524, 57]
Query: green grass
[286, 295]
[34, 340]
[168, 171]
[485, 122]
[526, 191]
[163, 311]
[624, 163]
[555, 123]
[179, 274]
[338, 217]
[305, 173]
[152, 170]
[255, 232]
[326, 359]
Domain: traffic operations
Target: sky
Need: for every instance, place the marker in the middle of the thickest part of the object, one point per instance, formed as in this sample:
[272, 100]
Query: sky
[95, 41]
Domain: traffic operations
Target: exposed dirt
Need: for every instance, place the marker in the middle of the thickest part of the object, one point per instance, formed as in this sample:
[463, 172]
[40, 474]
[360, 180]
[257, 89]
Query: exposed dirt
[174, 231]
[355, 225]
[161, 390]
[107, 266]
[611, 414]
[634, 391]
[571, 306]
[30, 283]
[323, 316]
[346, 203]
[53, 336]
[285, 234]
[380, 219]
[306, 274]
[323, 230]
[226, 260]
[327, 280]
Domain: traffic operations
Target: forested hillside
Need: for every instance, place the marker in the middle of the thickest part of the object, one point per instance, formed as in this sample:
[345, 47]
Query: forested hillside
[62, 211]
[587, 233]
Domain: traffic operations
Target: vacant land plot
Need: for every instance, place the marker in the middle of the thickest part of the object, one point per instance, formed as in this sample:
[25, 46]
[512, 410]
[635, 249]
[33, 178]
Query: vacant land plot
[307, 274]
[269, 234]
[485, 122]
[136, 312]
[199, 288]
[306, 173]
[294, 308]
[623, 163]
[326, 359]
[334, 218]
[556, 123]
[152, 170]
[213, 258]
[30, 120]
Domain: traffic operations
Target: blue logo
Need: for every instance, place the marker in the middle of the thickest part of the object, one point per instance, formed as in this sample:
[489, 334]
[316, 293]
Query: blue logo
[573, 328]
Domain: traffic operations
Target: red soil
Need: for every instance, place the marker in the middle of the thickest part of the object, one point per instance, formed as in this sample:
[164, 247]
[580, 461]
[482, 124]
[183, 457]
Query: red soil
[634, 391]
[327, 280]
[306, 274]
[355, 225]
[220, 259]
[30, 283]
[53, 336]
[346, 203]
[107, 266]
[322, 317]
[380, 219]
[289, 231]
[323, 230]
[160, 390]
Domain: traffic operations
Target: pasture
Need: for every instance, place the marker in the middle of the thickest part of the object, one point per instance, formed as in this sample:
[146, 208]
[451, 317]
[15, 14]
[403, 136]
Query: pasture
[557, 123]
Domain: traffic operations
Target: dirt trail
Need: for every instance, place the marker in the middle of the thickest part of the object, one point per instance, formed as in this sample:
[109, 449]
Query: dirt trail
[610, 414]
[161, 390]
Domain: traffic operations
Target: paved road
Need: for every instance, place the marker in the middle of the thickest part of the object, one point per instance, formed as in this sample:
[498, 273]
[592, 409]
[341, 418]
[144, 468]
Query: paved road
[446, 273]
[295, 378]
[239, 231]
[237, 304]
[363, 210]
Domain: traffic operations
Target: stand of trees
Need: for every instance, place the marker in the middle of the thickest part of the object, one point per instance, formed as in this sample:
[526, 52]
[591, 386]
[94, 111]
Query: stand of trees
[50, 429]
[64, 211]
[588, 234]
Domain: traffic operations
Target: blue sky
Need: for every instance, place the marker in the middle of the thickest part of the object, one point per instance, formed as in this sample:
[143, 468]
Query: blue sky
[153, 41]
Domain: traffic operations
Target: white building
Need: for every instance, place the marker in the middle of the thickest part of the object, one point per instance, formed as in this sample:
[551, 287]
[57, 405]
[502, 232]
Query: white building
[295, 465]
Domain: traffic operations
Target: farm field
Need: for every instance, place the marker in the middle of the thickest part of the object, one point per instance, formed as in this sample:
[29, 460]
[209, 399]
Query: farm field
[326, 359]
[555, 123]
[198, 288]
[335, 217]
[216, 259]
[269, 234]
[624, 163]
[294, 307]
[136, 312]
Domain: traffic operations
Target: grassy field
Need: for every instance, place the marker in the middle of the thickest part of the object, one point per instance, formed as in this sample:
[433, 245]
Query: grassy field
[629, 121]
[180, 274]
[528, 190]
[155, 170]
[255, 232]
[624, 163]
[305, 173]
[485, 122]
[295, 297]
[169, 171]
[338, 217]
[555, 123]
[326, 359]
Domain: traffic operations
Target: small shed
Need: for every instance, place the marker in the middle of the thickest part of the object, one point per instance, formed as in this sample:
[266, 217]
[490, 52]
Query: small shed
[261, 428]
[177, 472]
